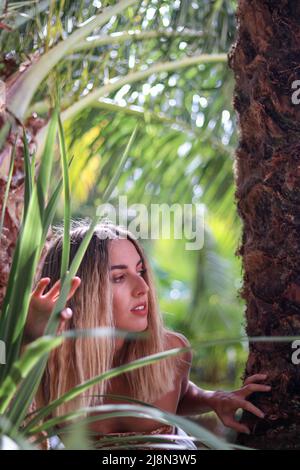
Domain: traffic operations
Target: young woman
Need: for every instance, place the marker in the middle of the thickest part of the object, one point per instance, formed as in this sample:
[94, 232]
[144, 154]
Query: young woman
[114, 288]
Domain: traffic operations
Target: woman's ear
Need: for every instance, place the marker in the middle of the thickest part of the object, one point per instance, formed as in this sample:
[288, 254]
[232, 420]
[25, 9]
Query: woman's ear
[75, 283]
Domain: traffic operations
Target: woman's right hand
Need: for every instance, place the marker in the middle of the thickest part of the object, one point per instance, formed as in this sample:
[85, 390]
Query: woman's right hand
[41, 306]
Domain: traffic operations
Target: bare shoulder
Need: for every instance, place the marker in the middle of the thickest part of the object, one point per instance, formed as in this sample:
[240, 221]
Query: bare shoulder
[178, 340]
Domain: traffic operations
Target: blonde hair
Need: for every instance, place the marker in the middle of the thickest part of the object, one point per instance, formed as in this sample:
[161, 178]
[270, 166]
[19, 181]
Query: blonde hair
[82, 358]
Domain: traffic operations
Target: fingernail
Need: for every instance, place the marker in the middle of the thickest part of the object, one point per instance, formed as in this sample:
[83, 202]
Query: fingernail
[262, 415]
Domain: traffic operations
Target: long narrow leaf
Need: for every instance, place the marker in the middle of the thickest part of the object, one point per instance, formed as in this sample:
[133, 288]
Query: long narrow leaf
[74, 392]
[14, 316]
[30, 385]
[209, 439]
[22, 91]
[118, 172]
[28, 175]
[139, 76]
[24, 365]
[50, 209]
[51, 206]
[67, 202]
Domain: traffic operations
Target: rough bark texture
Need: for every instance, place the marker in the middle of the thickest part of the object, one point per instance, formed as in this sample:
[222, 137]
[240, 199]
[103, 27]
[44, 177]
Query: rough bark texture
[10, 74]
[15, 202]
[14, 207]
[266, 60]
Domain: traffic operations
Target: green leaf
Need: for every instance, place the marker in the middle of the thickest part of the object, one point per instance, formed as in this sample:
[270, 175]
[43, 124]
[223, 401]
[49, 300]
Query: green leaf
[113, 411]
[75, 391]
[67, 202]
[31, 382]
[24, 365]
[27, 254]
[114, 181]
[138, 76]
[28, 175]
[22, 91]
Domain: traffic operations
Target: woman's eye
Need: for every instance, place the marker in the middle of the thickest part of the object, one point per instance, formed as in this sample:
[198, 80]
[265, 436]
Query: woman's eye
[118, 279]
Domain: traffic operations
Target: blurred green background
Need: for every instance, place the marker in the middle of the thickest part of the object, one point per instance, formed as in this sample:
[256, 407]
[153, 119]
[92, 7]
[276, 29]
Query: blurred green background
[183, 151]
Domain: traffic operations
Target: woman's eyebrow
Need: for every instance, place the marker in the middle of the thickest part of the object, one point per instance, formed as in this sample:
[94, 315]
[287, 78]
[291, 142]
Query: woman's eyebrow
[124, 266]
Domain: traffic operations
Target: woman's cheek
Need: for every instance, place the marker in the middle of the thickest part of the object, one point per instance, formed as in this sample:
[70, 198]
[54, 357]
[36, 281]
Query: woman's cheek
[119, 298]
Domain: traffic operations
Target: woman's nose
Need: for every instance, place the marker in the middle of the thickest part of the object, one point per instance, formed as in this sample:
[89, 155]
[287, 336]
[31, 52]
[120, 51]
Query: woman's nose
[141, 287]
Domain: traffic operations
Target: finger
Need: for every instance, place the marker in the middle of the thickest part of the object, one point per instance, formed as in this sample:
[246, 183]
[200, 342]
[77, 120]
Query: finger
[52, 293]
[76, 281]
[251, 388]
[246, 405]
[255, 378]
[41, 286]
[238, 427]
[66, 314]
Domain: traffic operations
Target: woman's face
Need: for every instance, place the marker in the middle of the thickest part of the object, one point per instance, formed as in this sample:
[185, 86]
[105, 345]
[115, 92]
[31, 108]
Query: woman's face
[130, 290]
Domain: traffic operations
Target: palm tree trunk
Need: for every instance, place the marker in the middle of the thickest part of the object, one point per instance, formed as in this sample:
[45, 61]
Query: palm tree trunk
[15, 202]
[265, 61]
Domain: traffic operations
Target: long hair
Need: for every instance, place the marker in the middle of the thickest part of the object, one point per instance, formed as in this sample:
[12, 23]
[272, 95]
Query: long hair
[82, 358]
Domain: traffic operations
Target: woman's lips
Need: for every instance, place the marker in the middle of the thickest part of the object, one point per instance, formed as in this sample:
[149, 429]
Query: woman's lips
[140, 309]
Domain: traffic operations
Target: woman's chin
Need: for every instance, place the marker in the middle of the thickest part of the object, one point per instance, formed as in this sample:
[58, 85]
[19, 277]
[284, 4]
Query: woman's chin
[142, 326]
[138, 325]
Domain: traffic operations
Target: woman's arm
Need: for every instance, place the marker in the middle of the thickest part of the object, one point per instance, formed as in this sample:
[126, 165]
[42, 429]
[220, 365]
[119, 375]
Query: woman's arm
[194, 400]
[224, 404]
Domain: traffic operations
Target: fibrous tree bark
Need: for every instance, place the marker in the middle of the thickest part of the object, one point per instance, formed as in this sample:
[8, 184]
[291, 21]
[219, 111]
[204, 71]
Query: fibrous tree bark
[266, 63]
[15, 202]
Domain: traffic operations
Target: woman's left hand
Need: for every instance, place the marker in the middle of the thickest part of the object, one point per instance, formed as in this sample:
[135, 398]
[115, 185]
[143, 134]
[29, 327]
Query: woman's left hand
[225, 404]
